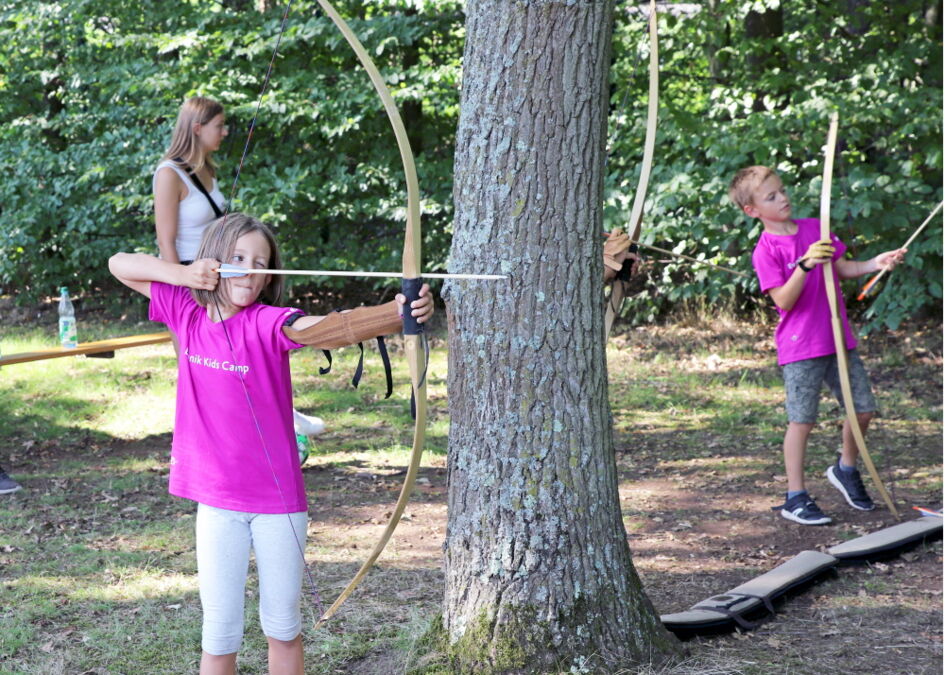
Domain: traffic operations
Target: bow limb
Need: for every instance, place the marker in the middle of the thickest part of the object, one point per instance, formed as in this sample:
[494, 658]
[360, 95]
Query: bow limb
[837, 321]
[413, 341]
[618, 287]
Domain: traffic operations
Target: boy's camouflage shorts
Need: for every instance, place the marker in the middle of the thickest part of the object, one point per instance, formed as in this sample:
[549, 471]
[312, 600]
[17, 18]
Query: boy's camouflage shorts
[803, 381]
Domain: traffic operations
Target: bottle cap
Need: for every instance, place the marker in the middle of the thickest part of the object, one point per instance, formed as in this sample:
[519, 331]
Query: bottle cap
[63, 289]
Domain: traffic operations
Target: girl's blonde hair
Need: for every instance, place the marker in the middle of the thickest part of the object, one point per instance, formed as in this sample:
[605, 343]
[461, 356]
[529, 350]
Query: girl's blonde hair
[185, 143]
[219, 242]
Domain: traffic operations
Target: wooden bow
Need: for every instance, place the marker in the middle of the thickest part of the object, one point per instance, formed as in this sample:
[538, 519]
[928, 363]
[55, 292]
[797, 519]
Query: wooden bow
[413, 343]
[618, 288]
[837, 321]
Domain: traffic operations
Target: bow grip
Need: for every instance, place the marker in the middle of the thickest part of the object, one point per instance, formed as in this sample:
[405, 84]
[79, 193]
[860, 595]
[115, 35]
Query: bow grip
[411, 290]
[624, 273]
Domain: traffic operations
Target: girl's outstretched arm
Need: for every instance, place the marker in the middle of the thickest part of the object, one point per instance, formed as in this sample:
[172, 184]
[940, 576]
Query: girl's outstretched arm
[421, 310]
[138, 270]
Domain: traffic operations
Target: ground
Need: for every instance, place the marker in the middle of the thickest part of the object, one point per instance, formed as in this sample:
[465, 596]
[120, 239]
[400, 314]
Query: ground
[698, 436]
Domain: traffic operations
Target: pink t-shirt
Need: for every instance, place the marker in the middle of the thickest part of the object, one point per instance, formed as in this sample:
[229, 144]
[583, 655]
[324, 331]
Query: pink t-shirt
[804, 332]
[218, 457]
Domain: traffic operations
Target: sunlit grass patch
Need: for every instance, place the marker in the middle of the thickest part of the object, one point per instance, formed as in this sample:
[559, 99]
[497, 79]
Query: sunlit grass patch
[129, 584]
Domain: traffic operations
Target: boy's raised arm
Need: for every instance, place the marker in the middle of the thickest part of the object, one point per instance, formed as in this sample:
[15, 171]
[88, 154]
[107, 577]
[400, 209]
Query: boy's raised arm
[851, 269]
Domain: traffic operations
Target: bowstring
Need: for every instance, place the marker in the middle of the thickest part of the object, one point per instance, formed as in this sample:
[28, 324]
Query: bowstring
[272, 470]
[226, 211]
[877, 426]
[262, 93]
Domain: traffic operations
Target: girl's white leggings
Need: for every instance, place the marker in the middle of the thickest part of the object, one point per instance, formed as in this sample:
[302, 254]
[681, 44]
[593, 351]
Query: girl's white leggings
[224, 539]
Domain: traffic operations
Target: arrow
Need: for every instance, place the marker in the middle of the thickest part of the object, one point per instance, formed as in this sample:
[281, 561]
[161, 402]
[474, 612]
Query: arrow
[686, 257]
[872, 282]
[228, 271]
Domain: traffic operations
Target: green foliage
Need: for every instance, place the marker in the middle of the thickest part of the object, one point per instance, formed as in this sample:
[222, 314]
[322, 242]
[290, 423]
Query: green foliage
[89, 92]
[879, 66]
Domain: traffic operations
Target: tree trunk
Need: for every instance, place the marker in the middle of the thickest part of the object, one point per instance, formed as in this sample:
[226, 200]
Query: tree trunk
[715, 42]
[538, 571]
[762, 28]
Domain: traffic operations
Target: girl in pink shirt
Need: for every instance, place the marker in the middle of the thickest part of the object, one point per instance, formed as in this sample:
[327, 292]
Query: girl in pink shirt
[234, 449]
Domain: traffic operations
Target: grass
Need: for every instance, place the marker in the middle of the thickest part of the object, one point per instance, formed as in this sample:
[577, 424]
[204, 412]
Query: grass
[97, 564]
[97, 560]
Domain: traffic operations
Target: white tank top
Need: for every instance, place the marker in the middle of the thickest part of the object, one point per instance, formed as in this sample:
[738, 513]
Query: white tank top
[194, 213]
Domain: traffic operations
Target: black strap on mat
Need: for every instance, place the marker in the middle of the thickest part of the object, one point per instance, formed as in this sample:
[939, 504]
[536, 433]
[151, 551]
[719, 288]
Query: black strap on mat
[740, 620]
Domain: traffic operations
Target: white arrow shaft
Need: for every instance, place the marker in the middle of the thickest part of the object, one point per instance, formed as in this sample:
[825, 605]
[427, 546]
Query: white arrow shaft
[329, 273]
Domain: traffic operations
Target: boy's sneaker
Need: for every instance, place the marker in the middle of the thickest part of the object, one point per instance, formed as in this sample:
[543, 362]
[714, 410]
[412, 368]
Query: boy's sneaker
[7, 484]
[851, 487]
[802, 509]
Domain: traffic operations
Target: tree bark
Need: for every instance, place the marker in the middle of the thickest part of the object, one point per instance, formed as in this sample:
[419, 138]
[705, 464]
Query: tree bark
[715, 42]
[763, 28]
[539, 576]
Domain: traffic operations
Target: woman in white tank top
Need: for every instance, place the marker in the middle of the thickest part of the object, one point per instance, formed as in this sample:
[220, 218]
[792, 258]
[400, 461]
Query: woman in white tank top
[181, 210]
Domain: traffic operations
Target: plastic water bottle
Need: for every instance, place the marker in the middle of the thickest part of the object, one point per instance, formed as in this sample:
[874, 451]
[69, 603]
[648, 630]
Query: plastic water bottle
[67, 332]
[301, 440]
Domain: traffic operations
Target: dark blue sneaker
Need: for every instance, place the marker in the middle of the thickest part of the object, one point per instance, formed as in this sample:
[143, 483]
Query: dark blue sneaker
[851, 487]
[802, 509]
[7, 484]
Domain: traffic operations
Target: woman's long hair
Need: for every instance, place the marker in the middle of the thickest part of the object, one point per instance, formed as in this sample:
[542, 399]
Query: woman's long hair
[185, 144]
[219, 242]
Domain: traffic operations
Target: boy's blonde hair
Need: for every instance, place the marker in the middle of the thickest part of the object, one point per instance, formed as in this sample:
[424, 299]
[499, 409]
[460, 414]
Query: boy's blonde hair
[746, 181]
[219, 242]
[184, 142]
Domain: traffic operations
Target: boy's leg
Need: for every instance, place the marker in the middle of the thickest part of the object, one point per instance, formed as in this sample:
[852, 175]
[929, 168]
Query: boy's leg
[843, 474]
[802, 383]
[798, 506]
[850, 453]
[795, 449]
[218, 665]
[863, 402]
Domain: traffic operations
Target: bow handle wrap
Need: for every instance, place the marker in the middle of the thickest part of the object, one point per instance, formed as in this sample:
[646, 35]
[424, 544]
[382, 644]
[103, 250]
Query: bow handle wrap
[411, 290]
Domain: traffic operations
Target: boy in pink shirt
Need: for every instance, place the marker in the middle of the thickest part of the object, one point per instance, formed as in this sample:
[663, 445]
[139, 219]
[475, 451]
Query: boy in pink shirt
[787, 260]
